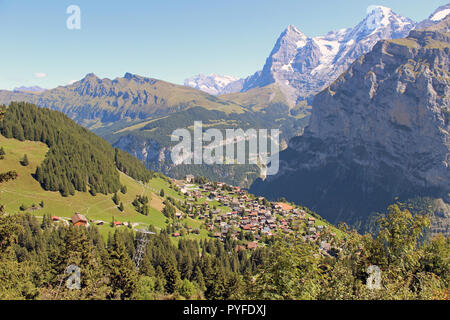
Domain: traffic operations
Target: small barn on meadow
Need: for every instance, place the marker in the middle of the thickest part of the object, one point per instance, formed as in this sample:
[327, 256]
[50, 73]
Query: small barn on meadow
[79, 220]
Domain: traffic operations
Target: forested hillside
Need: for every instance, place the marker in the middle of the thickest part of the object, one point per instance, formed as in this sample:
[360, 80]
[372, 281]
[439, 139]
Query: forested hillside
[77, 159]
[34, 257]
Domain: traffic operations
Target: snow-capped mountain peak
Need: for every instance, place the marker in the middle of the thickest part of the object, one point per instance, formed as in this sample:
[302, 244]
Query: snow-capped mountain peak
[35, 89]
[440, 15]
[381, 21]
[378, 16]
[213, 84]
[301, 66]
[293, 35]
[292, 28]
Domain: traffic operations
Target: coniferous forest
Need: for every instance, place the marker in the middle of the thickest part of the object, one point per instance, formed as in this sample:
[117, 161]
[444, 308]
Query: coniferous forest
[34, 257]
[77, 159]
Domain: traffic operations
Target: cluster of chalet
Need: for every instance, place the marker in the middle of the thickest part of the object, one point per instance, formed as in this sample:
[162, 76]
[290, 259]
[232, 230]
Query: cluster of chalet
[80, 220]
[257, 216]
[77, 220]
[245, 214]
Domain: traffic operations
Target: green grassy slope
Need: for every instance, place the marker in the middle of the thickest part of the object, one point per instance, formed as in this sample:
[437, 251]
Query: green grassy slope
[25, 190]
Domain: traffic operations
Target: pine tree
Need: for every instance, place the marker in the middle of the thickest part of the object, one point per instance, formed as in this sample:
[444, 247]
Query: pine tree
[173, 278]
[78, 249]
[146, 268]
[121, 208]
[187, 289]
[116, 199]
[64, 189]
[25, 161]
[146, 288]
[160, 280]
[215, 285]
[198, 278]
[122, 272]
[46, 221]
[15, 277]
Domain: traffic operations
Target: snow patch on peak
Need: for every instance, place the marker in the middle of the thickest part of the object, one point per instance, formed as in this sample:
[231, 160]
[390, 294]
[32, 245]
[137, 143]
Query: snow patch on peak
[292, 28]
[378, 16]
[212, 84]
[300, 43]
[29, 89]
[378, 8]
[438, 16]
[294, 35]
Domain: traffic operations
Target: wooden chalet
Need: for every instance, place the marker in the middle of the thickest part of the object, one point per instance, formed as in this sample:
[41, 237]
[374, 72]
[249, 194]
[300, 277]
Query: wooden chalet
[79, 220]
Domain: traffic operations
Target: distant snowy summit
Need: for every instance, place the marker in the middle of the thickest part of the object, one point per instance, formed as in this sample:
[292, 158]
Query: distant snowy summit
[438, 15]
[302, 66]
[213, 84]
[35, 89]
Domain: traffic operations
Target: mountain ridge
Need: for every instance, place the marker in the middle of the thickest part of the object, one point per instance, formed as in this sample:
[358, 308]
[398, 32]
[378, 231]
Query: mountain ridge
[92, 100]
[302, 66]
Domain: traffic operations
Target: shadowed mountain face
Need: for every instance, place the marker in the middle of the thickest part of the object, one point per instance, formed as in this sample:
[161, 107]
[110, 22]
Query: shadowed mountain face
[380, 131]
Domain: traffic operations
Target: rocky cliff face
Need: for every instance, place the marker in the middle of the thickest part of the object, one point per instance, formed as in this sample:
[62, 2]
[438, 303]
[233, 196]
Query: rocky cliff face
[380, 131]
[149, 151]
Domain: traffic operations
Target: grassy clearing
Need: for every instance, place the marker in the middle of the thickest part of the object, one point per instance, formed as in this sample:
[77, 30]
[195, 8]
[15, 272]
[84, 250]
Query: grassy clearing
[156, 184]
[408, 42]
[25, 190]
[139, 125]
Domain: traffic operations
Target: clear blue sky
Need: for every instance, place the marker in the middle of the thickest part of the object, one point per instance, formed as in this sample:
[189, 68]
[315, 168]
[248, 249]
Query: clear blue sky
[165, 39]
